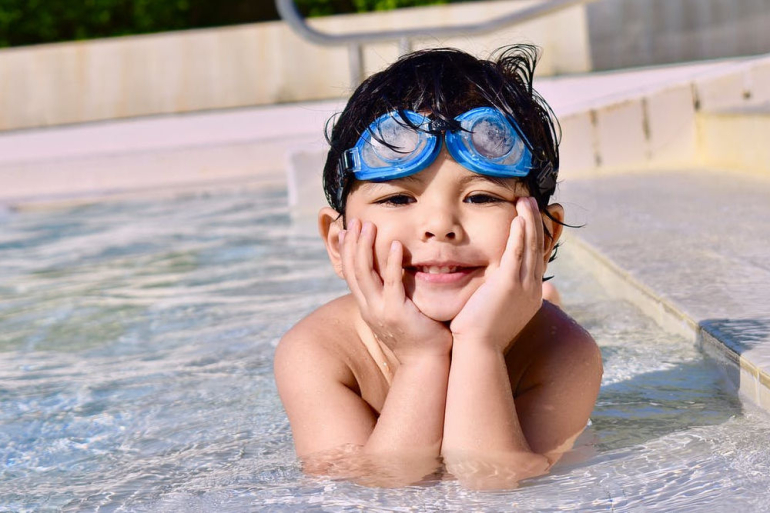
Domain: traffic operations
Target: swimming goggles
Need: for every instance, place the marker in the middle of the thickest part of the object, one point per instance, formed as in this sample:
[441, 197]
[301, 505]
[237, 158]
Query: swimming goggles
[488, 142]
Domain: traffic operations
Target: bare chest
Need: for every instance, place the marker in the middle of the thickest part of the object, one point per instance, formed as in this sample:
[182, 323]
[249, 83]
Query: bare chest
[374, 378]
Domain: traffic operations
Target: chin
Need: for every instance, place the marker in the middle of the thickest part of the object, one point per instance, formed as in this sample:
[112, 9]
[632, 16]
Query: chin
[441, 306]
[438, 312]
[441, 317]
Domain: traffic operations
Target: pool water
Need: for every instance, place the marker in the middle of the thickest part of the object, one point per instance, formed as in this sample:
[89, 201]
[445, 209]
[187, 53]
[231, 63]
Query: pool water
[136, 346]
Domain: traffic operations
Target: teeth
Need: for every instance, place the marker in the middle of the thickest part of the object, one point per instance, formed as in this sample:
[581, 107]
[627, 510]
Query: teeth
[434, 269]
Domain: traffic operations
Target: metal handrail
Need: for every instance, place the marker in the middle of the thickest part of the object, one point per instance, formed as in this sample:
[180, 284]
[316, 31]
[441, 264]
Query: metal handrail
[288, 11]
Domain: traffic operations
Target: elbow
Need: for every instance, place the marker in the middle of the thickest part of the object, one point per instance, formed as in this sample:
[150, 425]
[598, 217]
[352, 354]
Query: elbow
[371, 469]
[496, 472]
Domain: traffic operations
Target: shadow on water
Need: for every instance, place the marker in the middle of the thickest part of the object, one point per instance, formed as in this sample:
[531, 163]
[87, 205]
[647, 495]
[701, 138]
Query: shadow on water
[652, 405]
[740, 334]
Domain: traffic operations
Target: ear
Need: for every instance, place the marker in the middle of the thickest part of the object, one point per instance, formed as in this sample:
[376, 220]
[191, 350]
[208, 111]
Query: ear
[556, 212]
[330, 226]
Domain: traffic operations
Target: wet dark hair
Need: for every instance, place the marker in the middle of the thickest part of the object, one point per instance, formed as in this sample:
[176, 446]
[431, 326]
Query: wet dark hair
[445, 83]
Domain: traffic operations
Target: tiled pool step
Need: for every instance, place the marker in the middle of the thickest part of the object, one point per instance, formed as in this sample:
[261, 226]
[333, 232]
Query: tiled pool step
[737, 138]
[673, 122]
[689, 248]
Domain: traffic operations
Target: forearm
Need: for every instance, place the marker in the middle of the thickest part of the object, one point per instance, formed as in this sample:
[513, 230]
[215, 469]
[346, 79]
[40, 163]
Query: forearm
[480, 411]
[412, 418]
[481, 425]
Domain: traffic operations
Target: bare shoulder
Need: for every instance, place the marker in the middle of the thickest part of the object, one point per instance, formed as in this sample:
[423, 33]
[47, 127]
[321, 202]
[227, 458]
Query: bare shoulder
[566, 334]
[316, 346]
[559, 349]
[315, 374]
[559, 382]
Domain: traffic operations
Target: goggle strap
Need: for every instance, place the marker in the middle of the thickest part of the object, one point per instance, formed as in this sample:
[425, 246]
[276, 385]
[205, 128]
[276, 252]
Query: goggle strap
[348, 161]
[546, 178]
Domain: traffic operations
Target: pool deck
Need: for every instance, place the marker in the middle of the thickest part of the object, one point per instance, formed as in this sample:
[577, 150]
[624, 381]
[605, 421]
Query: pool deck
[156, 155]
[691, 249]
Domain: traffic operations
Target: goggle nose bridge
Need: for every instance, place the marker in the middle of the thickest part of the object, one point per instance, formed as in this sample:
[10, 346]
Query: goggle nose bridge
[437, 126]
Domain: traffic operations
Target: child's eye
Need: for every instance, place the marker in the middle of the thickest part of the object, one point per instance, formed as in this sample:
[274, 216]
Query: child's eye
[396, 200]
[480, 198]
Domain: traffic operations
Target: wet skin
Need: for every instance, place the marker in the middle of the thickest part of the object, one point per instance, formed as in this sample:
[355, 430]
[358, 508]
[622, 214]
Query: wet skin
[445, 271]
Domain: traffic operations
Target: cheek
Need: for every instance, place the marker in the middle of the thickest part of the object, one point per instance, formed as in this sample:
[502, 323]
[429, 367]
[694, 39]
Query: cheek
[381, 250]
[384, 229]
[382, 245]
[494, 238]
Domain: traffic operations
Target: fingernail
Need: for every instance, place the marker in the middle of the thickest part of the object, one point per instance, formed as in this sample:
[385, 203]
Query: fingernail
[394, 245]
[341, 235]
[366, 228]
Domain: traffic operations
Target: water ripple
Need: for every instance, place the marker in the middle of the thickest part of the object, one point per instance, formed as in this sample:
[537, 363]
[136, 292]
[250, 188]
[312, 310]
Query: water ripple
[136, 347]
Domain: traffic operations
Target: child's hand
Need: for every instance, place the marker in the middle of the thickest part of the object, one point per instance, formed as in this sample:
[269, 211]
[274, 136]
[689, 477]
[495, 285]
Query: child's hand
[513, 293]
[393, 318]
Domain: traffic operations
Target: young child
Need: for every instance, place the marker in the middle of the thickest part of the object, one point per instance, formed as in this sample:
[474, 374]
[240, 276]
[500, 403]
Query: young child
[439, 176]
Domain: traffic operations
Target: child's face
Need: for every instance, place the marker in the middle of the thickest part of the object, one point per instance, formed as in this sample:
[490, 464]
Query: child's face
[452, 223]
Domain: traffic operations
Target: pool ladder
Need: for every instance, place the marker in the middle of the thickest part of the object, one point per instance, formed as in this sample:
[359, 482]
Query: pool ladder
[355, 41]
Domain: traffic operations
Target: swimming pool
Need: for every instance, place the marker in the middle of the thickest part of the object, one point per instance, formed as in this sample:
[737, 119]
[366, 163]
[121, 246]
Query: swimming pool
[136, 345]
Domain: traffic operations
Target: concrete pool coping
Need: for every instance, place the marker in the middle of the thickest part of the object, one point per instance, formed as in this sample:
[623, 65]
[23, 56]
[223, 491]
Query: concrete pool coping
[750, 380]
[713, 288]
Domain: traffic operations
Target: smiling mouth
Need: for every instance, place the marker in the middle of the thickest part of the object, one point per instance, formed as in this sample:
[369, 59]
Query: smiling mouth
[442, 273]
[436, 269]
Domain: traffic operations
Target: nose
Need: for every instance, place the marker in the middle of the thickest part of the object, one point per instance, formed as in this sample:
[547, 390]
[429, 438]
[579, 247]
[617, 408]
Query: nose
[441, 224]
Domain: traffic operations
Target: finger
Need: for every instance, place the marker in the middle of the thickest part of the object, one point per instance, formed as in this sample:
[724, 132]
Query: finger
[368, 279]
[540, 229]
[531, 249]
[348, 241]
[514, 249]
[539, 224]
[393, 291]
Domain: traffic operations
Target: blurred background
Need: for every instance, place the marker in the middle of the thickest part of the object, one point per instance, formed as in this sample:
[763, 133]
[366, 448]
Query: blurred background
[245, 56]
[705, 28]
[49, 21]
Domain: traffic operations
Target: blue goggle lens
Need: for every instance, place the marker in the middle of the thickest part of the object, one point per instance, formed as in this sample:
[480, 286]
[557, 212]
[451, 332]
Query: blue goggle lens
[490, 138]
[390, 148]
[489, 144]
[390, 143]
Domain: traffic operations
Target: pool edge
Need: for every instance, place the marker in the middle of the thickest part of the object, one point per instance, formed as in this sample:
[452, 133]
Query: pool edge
[749, 378]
